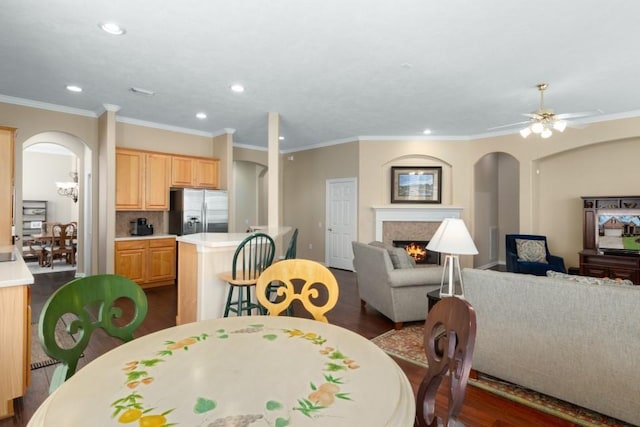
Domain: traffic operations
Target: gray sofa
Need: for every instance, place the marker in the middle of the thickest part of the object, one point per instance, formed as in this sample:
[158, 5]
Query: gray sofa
[578, 342]
[398, 293]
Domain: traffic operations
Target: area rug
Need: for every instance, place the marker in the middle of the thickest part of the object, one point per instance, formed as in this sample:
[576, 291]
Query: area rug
[58, 266]
[40, 359]
[407, 344]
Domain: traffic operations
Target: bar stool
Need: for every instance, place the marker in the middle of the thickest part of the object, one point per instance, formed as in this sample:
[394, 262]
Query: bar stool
[252, 256]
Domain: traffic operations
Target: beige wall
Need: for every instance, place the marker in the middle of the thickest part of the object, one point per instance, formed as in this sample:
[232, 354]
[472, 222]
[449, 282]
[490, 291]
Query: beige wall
[609, 168]
[165, 141]
[304, 177]
[40, 173]
[552, 174]
[539, 182]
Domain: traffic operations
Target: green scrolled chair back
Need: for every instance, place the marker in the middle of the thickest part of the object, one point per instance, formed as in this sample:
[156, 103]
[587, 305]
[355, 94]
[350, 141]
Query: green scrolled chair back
[90, 301]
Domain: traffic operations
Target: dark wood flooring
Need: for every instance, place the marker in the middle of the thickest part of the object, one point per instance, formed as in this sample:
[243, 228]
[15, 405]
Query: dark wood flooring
[480, 408]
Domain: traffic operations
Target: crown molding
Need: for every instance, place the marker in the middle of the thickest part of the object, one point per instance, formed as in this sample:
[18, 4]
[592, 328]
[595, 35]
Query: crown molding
[46, 106]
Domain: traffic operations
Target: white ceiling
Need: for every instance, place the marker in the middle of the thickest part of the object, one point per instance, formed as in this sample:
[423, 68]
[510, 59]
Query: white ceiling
[333, 69]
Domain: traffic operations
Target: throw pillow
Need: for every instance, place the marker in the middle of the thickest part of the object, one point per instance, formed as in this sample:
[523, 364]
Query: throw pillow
[531, 250]
[400, 258]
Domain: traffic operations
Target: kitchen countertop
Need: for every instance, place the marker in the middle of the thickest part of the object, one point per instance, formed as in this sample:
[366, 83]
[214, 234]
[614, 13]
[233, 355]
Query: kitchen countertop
[221, 240]
[152, 236]
[16, 272]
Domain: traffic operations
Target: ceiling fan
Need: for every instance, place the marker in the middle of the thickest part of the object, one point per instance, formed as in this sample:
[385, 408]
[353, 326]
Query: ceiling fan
[544, 120]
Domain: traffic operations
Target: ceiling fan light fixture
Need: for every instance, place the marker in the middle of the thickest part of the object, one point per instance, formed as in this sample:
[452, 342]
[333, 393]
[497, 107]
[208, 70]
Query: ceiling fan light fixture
[560, 125]
[537, 127]
[525, 132]
[546, 133]
[112, 28]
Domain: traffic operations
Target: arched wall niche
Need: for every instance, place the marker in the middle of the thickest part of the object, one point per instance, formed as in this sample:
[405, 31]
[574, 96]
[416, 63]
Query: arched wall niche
[417, 160]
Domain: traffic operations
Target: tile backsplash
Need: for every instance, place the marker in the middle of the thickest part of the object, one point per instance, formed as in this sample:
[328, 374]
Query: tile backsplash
[155, 218]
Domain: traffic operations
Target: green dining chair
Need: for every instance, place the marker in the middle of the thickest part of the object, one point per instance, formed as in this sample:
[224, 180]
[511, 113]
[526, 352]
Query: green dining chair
[252, 256]
[86, 304]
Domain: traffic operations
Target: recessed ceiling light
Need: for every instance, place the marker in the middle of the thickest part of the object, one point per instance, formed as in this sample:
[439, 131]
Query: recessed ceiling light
[427, 131]
[281, 138]
[201, 116]
[112, 28]
[238, 88]
[74, 88]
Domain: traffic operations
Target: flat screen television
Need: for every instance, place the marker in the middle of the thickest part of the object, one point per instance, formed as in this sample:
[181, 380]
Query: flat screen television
[618, 231]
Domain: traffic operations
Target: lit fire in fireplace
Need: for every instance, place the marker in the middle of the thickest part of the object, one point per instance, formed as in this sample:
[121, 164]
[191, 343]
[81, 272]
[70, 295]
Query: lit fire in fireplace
[418, 252]
[417, 249]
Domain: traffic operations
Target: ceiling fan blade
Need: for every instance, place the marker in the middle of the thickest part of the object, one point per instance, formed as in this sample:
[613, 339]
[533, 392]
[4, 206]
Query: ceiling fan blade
[510, 125]
[576, 115]
[534, 116]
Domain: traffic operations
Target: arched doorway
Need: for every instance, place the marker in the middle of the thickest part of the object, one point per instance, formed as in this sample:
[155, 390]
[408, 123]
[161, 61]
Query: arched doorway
[250, 195]
[496, 206]
[82, 159]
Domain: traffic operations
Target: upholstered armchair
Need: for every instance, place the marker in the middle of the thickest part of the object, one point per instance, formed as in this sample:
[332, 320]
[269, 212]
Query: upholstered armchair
[529, 254]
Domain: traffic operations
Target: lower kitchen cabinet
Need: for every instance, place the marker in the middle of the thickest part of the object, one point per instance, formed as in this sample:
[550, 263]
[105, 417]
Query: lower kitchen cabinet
[148, 262]
[15, 345]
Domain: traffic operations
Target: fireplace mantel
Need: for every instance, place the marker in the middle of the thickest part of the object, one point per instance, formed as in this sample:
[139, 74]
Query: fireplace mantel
[413, 213]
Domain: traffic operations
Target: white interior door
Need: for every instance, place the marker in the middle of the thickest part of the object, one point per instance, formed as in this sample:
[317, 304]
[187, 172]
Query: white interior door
[341, 218]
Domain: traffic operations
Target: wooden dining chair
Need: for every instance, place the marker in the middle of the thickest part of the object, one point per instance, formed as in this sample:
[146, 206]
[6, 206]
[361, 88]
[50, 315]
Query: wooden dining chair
[449, 338]
[311, 274]
[61, 245]
[88, 303]
[252, 256]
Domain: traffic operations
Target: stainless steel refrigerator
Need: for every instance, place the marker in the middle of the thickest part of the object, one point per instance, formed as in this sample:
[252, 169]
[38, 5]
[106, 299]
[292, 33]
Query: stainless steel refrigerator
[198, 211]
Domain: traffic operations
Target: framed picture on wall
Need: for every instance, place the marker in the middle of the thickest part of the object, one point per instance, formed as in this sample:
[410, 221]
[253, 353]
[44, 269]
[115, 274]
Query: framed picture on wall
[416, 184]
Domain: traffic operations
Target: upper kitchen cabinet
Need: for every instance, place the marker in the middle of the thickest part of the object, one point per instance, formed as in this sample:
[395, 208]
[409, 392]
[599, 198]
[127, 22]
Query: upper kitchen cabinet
[196, 172]
[6, 184]
[142, 180]
[157, 175]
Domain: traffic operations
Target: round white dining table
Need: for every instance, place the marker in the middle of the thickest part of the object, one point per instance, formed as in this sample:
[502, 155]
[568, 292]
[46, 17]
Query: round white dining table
[236, 372]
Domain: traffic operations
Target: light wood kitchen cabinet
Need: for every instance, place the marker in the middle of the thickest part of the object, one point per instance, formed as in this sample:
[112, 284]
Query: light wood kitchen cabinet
[148, 262]
[15, 345]
[157, 174]
[206, 173]
[129, 179]
[7, 142]
[142, 180]
[130, 259]
[197, 172]
[162, 260]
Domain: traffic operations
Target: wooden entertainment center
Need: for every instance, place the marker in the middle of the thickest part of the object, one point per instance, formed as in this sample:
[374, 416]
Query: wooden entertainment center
[615, 263]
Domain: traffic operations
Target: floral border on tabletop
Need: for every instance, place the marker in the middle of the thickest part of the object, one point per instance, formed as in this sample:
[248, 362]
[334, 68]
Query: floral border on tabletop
[138, 374]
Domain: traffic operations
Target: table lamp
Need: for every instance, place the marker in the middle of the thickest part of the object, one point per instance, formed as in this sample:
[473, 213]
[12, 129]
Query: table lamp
[452, 238]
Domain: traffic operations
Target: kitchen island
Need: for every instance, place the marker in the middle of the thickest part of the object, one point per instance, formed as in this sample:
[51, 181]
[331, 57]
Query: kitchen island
[201, 256]
[15, 329]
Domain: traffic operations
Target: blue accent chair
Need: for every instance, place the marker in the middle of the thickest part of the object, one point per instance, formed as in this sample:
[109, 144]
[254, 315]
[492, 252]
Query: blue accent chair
[514, 265]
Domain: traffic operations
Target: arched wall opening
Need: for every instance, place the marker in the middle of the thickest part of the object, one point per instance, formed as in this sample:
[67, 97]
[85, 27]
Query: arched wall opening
[250, 196]
[496, 206]
[84, 164]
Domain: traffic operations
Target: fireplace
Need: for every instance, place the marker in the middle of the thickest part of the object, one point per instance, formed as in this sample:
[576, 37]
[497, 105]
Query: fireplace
[417, 249]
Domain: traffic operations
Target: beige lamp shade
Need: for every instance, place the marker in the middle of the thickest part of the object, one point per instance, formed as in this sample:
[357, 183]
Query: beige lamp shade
[452, 237]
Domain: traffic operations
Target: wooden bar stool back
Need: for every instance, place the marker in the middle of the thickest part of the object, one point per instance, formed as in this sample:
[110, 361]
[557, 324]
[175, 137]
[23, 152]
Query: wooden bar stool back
[252, 256]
